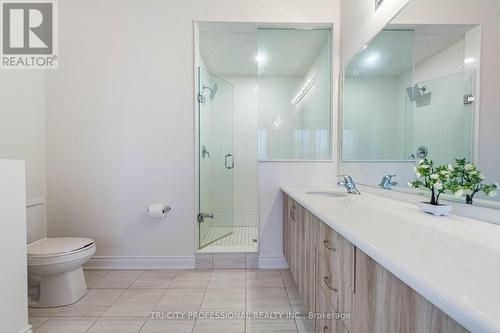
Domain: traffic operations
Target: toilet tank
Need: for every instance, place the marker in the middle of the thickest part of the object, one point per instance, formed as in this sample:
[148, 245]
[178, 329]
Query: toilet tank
[36, 220]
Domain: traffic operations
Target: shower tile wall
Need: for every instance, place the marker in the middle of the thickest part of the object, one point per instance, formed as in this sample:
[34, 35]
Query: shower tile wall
[245, 150]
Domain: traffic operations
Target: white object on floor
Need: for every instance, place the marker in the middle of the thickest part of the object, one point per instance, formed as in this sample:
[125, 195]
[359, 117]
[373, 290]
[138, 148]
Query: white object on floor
[55, 270]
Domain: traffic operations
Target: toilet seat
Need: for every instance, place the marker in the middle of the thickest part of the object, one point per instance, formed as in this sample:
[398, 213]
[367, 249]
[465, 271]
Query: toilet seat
[48, 251]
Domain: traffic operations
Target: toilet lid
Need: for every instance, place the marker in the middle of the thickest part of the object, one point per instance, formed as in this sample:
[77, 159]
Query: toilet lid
[52, 246]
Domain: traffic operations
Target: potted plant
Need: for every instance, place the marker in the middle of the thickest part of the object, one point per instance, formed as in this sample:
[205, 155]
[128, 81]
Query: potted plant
[437, 180]
[468, 181]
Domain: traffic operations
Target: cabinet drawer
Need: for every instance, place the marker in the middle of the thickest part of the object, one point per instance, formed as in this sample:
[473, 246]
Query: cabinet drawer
[336, 269]
[325, 321]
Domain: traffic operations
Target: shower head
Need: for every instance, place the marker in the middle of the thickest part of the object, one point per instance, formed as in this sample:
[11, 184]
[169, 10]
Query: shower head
[213, 90]
[415, 92]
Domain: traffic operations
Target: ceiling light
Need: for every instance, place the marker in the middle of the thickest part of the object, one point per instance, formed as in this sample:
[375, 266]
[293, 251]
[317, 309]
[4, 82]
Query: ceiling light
[372, 59]
[261, 58]
[304, 90]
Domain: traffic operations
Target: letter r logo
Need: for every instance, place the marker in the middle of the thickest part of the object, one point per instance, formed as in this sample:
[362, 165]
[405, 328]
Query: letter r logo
[27, 27]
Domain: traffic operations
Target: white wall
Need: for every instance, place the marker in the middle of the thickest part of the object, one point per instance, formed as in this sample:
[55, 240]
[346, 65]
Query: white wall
[22, 134]
[120, 121]
[13, 280]
[360, 22]
[272, 176]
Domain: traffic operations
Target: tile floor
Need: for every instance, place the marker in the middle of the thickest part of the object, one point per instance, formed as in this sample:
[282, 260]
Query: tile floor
[123, 301]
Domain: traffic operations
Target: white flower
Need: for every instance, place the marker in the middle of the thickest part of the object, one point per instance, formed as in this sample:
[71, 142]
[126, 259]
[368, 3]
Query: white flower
[425, 166]
[418, 175]
[469, 167]
[450, 167]
[434, 176]
[410, 185]
[438, 186]
[444, 172]
[420, 162]
[459, 193]
[415, 169]
[492, 193]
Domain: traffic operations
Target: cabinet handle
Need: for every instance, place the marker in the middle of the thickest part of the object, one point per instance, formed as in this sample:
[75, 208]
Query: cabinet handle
[325, 328]
[327, 283]
[292, 213]
[326, 243]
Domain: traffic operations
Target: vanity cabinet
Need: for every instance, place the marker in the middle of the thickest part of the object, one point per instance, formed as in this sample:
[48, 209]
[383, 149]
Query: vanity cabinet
[333, 276]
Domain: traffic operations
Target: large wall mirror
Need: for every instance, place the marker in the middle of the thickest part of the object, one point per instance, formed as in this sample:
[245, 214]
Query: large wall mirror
[425, 86]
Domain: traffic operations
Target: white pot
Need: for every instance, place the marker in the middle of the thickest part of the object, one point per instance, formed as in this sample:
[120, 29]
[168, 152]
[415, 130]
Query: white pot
[439, 210]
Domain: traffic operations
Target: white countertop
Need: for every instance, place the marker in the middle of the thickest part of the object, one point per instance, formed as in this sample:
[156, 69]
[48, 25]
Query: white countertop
[454, 261]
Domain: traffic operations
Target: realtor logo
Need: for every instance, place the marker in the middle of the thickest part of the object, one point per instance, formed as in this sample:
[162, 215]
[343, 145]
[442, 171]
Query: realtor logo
[28, 34]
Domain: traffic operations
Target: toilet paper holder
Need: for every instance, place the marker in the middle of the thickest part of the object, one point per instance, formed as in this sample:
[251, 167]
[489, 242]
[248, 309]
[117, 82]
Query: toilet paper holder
[166, 210]
[156, 213]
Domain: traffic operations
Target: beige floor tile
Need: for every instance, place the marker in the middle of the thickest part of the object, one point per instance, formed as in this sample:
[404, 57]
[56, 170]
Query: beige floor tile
[230, 260]
[268, 300]
[224, 300]
[67, 325]
[271, 326]
[154, 279]
[168, 326]
[36, 322]
[92, 276]
[219, 326]
[44, 312]
[118, 279]
[191, 279]
[287, 278]
[264, 279]
[117, 325]
[296, 301]
[180, 300]
[95, 303]
[228, 279]
[135, 302]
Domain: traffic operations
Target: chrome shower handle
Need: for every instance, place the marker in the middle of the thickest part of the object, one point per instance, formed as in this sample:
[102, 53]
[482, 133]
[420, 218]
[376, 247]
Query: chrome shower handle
[229, 161]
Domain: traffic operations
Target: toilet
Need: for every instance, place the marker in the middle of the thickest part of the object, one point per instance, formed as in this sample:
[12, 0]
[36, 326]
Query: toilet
[55, 272]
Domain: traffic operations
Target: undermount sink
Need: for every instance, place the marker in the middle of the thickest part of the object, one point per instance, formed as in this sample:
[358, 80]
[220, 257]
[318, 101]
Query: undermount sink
[328, 194]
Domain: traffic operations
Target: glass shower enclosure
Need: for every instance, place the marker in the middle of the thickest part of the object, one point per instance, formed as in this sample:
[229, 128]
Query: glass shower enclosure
[216, 160]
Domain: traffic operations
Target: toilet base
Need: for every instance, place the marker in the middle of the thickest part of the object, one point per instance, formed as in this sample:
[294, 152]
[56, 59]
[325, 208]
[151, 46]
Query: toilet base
[60, 289]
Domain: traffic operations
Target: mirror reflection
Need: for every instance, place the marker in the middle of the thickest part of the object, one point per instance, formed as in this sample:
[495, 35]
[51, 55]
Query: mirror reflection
[410, 94]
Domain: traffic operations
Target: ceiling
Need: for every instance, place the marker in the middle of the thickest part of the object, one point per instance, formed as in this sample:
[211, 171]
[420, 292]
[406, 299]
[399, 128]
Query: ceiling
[232, 48]
[396, 49]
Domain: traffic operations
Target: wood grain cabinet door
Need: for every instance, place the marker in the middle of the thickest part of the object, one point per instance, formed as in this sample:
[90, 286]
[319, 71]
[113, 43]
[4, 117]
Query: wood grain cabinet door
[294, 216]
[307, 235]
[286, 228]
[384, 304]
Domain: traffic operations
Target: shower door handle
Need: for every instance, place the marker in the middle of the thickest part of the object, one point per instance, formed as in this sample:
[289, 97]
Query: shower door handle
[229, 161]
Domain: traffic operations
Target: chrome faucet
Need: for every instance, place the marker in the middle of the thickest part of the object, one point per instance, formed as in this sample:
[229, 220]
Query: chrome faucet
[349, 184]
[387, 182]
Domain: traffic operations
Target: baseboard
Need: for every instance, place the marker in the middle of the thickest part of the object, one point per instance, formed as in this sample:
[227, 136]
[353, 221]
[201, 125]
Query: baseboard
[140, 263]
[27, 329]
[273, 262]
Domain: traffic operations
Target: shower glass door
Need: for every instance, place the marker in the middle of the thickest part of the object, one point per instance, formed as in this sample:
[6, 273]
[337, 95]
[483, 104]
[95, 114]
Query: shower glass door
[216, 161]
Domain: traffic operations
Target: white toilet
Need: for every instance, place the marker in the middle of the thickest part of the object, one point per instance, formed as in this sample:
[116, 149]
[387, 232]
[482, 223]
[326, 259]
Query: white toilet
[55, 274]
[55, 270]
